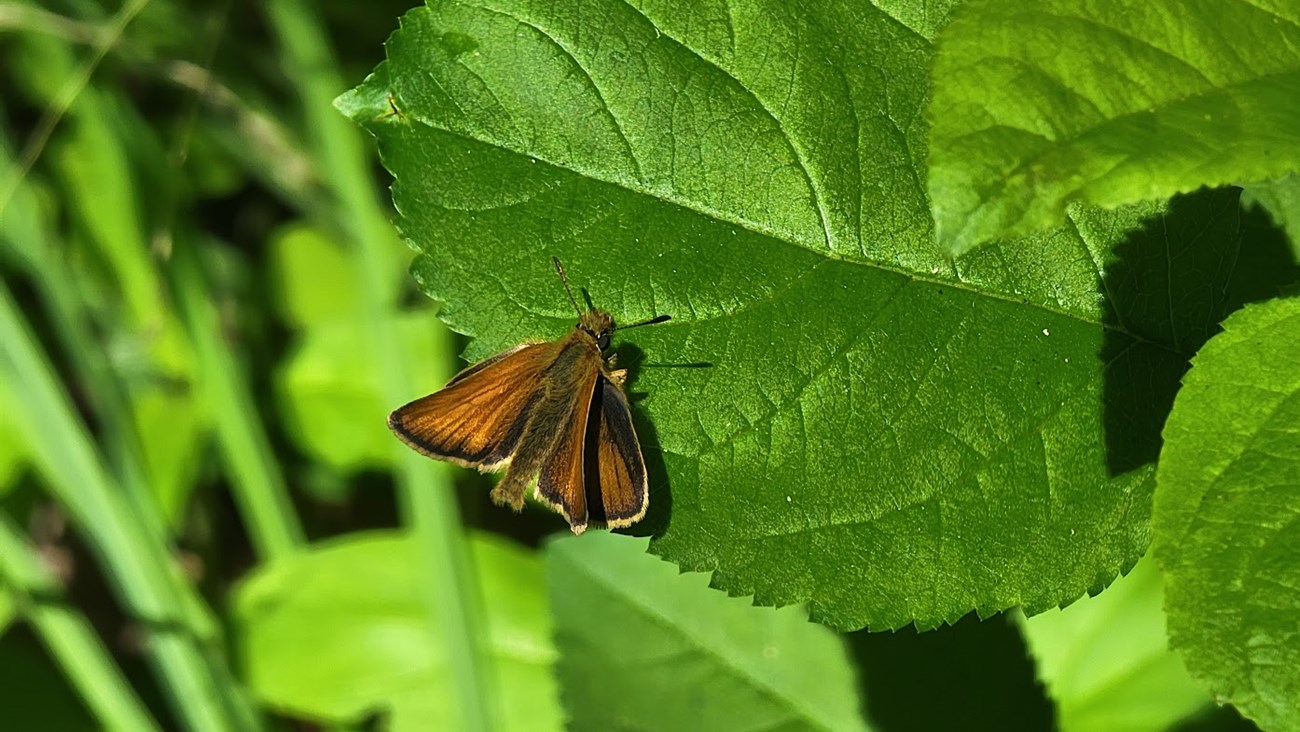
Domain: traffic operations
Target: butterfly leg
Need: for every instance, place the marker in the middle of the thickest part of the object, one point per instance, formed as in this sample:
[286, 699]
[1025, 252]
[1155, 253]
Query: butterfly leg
[619, 377]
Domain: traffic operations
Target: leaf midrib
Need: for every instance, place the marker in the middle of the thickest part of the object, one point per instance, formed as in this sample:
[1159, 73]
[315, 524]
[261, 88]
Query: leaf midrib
[755, 228]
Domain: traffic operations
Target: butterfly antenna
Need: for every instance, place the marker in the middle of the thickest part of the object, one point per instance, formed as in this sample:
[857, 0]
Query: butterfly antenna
[560, 268]
[652, 321]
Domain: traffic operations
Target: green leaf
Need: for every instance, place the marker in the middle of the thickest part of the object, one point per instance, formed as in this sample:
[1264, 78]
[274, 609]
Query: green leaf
[1228, 492]
[1036, 105]
[13, 450]
[836, 415]
[1105, 659]
[341, 632]
[312, 276]
[641, 645]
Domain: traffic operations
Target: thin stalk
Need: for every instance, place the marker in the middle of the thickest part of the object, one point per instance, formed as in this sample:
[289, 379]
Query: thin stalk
[258, 486]
[67, 95]
[65, 454]
[69, 637]
[429, 501]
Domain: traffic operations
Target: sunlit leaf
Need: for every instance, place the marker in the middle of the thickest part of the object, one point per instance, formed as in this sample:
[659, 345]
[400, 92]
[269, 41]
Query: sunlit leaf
[1105, 660]
[13, 453]
[312, 276]
[332, 395]
[1225, 524]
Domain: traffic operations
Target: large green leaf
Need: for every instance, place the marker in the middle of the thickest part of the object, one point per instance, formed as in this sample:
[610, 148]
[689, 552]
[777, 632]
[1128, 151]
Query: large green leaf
[1106, 662]
[836, 415]
[1039, 104]
[627, 622]
[1225, 523]
[342, 632]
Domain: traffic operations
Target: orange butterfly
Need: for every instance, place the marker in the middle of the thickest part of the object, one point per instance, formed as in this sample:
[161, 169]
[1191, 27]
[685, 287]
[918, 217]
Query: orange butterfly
[551, 409]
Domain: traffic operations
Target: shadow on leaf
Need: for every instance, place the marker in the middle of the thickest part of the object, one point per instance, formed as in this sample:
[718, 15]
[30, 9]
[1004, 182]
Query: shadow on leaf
[1169, 285]
[974, 675]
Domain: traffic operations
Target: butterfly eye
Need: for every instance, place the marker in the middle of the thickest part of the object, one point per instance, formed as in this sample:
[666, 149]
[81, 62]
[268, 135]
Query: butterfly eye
[602, 341]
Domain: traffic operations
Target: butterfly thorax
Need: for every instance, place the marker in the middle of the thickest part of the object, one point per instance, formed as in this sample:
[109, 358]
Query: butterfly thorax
[598, 324]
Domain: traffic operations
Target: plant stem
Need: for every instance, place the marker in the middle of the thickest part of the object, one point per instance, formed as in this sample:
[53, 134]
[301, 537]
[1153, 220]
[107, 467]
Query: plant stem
[65, 453]
[69, 637]
[258, 485]
[429, 500]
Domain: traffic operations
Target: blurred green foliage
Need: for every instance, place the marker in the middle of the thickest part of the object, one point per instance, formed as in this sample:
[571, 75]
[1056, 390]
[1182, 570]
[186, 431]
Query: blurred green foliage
[205, 315]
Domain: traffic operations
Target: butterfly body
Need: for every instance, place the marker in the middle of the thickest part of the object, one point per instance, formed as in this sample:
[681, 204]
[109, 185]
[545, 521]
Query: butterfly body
[554, 410]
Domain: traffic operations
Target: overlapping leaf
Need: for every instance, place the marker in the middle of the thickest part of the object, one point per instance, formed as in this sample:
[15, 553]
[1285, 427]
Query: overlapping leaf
[836, 414]
[1226, 527]
[1040, 104]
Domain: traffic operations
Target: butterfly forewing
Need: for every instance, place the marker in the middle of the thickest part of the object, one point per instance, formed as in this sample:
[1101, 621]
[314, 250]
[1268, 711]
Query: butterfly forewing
[479, 417]
[619, 465]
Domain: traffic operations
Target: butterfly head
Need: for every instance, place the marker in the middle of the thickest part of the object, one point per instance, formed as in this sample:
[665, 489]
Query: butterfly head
[598, 324]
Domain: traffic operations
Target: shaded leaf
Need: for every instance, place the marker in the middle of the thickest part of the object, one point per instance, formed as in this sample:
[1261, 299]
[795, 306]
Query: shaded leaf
[1281, 199]
[978, 671]
[1106, 662]
[354, 607]
[836, 415]
[1037, 105]
[1224, 519]
[627, 623]
[7, 609]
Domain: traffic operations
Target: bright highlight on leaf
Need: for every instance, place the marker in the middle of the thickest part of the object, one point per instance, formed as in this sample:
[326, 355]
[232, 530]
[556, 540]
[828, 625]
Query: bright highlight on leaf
[1226, 507]
[1105, 660]
[627, 622]
[836, 415]
[1040, 104]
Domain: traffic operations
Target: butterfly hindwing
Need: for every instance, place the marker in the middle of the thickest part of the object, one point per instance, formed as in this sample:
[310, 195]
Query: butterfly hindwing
[560, 483]
[619, 466]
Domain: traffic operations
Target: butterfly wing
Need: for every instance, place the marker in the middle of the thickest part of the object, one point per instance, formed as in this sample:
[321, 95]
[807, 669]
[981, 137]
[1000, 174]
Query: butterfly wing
[477, 419]
[560, 484]
[619, 465]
